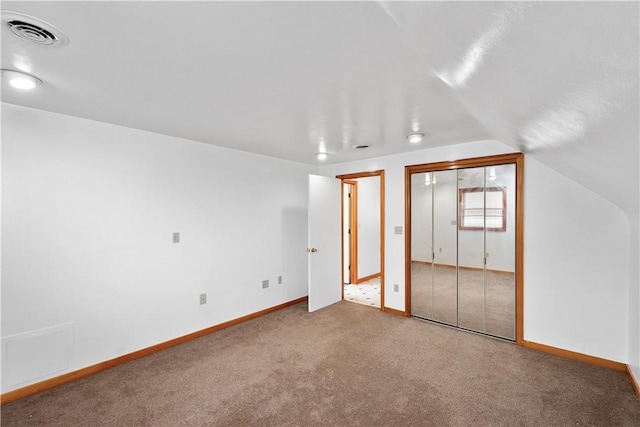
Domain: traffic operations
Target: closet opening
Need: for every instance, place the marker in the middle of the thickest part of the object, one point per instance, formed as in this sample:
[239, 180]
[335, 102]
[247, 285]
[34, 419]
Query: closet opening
[463, 244]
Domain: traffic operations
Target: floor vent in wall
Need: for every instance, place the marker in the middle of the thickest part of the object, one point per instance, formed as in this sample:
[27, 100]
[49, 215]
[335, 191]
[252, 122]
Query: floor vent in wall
[36, 355]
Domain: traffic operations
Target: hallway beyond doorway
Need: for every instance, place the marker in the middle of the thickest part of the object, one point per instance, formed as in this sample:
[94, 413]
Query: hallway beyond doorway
[366, 293]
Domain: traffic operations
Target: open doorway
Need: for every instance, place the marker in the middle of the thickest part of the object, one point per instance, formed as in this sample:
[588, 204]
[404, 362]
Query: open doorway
[363, 238]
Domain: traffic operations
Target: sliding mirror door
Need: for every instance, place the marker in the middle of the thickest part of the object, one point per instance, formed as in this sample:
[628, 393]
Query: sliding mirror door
[434, 245]
[462, 259]
[471, 233]
[500, 249]
[444, 247]
[422, 301]
[487, 253]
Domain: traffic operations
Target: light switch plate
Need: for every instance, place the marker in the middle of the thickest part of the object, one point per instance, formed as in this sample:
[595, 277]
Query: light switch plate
[176, 237]
[398, 229]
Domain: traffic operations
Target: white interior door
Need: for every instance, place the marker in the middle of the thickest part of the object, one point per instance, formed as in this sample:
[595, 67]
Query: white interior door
[324, 250]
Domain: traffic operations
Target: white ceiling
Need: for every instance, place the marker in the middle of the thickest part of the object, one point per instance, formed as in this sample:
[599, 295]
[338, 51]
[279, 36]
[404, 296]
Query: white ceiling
[558, 80]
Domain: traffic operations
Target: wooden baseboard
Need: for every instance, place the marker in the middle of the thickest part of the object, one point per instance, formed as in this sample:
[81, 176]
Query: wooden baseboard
[394, 311]
[634, 383]
[593, 360]
[366, 278]
[90, 370]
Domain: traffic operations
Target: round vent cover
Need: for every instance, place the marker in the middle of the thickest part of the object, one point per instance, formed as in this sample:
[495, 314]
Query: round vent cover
[33, 30]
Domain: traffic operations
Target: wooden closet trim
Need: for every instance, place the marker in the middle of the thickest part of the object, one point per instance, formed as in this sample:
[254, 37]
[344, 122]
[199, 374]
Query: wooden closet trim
[502, 159]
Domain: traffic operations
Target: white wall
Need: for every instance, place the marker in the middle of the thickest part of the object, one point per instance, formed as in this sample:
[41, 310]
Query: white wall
[576, 252]
[368, 226]
[576, 266]
[634, 290]
[88, 212]
[634, 298]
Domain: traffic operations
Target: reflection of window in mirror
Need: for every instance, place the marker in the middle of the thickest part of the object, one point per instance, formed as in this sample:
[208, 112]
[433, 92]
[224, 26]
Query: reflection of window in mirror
[472, 209]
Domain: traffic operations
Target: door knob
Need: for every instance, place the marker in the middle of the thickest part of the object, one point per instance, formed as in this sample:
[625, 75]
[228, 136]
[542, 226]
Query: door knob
[312, 250]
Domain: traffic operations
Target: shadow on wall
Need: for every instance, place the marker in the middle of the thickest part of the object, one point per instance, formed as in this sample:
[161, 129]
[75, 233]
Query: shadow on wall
[295, 223]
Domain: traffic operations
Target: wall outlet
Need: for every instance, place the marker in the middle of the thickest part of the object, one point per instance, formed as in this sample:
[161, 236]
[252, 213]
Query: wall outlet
[203, 299]
[397, 229]
[176, 237]
[396, 287]
[265, 284]
[279, 280]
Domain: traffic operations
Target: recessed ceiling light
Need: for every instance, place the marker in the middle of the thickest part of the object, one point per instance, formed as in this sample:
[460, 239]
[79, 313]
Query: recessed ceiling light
[21, 80]
[415, 138]
[321, 156]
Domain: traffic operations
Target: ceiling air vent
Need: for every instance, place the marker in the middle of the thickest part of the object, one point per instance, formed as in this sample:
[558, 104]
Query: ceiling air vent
[31, 32]
[32, 29]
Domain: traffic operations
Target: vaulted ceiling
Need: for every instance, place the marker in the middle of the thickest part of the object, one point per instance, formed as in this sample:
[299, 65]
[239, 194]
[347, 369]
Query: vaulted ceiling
[557, 80]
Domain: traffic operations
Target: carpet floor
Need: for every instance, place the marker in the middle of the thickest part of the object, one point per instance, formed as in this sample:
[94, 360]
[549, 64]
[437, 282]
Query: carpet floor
[344, 365]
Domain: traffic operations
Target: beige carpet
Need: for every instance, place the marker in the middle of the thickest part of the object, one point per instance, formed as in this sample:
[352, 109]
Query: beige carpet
[345, 365]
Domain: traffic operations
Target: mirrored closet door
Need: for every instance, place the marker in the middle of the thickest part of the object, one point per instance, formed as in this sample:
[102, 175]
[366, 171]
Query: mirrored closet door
[462, 231]
[434, 246]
